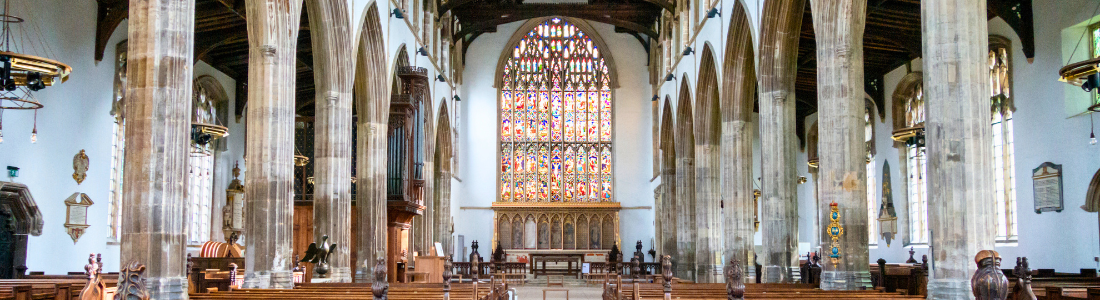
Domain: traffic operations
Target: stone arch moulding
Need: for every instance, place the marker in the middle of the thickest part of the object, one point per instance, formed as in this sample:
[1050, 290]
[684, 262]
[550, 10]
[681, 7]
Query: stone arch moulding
[905, 89]
[580, 23]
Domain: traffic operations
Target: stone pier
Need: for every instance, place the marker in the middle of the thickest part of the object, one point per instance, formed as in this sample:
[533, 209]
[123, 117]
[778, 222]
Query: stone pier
[782, 20]
[842, 172]
[738, 89]
[333, 65]
[269, 165]
[959, 139]
[158, 131]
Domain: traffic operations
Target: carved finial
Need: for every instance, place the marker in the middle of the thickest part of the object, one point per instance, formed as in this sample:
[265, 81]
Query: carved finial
[911, 260]
[636, 267]
[232, 274]
[380, 287]
[131, 283]
[447, 265]
[735, 280]
[924, 262]
[99, 263]
[988, 282]
[190, 263]
[236, 169]
[91, 269]
[1022, 290]
[666, 272]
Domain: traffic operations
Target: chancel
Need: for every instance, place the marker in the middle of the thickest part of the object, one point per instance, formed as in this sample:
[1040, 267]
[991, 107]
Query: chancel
[601, 149]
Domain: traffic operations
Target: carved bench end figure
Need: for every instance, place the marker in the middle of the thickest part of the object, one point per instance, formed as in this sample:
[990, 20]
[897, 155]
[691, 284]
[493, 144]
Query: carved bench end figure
[380, 287]
[989, 282]
[131, 283]
[735, 280]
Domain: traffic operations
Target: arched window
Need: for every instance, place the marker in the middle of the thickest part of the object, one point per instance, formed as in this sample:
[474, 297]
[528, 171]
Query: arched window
[555, 118]
[1003, 151]
[908, 114]
[207, 107]
[118, 146]
[872, 202]
[917, 169]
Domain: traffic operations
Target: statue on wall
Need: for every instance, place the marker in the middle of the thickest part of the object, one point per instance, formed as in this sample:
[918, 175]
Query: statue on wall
[80, 166]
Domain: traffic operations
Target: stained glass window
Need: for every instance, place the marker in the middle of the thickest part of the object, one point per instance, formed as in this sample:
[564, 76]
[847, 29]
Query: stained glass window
[555, 118]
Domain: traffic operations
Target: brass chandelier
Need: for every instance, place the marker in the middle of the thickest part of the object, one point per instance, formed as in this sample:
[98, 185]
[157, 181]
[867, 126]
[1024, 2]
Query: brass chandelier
[22, 74]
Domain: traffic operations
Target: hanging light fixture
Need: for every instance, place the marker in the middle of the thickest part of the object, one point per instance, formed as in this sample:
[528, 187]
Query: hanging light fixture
[21, 73]
[299, 159]
[1086, 73]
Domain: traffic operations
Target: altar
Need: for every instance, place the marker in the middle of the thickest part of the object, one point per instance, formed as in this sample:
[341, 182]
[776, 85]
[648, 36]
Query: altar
[558, 227]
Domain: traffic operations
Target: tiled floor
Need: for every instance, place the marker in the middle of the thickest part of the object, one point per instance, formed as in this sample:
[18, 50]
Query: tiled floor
[534, 292]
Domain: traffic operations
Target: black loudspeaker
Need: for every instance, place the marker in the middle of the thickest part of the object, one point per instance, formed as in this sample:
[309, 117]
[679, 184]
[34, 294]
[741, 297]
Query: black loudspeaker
[1091, 82]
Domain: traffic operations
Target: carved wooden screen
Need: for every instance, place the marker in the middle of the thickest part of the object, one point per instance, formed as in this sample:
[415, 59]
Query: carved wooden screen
[555, 118]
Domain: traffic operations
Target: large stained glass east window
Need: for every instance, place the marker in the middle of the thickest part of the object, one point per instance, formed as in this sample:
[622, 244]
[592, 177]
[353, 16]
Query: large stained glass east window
[555, 118]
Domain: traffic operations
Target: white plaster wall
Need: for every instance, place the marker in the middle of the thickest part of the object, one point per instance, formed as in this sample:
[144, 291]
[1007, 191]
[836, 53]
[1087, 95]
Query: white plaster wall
[1046, 129]
[631, 146]
[77, 117]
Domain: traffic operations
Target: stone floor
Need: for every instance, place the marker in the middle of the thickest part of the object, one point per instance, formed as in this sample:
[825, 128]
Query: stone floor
[534, 292]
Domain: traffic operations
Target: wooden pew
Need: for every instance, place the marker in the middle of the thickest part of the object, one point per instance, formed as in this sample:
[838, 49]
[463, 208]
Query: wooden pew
[355, 291]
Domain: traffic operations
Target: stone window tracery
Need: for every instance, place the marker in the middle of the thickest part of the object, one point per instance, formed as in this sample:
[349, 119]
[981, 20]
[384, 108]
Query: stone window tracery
[917, 170]
[555, 118]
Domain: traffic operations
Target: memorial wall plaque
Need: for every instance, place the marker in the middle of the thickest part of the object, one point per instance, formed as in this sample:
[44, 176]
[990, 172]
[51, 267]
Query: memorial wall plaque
[1047, 180]
[76, 215]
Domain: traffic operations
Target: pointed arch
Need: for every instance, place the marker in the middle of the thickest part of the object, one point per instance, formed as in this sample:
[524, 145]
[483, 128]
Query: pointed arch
[333, 71]
[581, 24]
[737, 102]
[907, 88]
[707, 121]
[666, 213]
[371, 97]
[685, 184]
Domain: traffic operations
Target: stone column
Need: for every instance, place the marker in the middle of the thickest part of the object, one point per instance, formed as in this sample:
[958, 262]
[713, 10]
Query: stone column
[708, 241]
[842, 172]
[333, 65]
[960, 165]
[738, 89]
[667, 211]
[272, 57]
[782, 20]
[686, 230]
[371, 196]
[372, 96]
[158, 131]
[442, 222]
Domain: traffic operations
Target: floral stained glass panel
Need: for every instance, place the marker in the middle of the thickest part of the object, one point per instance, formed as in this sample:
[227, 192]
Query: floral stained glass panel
[555, 118]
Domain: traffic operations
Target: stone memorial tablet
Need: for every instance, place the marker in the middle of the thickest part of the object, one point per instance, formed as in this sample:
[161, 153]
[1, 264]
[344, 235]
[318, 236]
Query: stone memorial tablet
[1047, 180]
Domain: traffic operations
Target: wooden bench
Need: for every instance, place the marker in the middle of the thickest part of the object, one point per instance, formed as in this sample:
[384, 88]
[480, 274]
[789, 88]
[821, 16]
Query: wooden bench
[397, 291]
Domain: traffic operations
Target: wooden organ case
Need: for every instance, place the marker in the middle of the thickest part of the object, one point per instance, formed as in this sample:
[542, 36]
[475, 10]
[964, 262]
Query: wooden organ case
[404, 164]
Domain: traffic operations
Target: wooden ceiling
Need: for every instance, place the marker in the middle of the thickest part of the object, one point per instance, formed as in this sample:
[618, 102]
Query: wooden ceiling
[635, 17]
[891, 39]
[221, 40]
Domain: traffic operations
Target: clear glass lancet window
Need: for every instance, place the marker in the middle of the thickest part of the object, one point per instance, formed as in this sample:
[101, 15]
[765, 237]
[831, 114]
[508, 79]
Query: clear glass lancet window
[872, 202]
[1003, 146]
[917, 172]
[118, 156]
[555, 118]
[199, 197]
